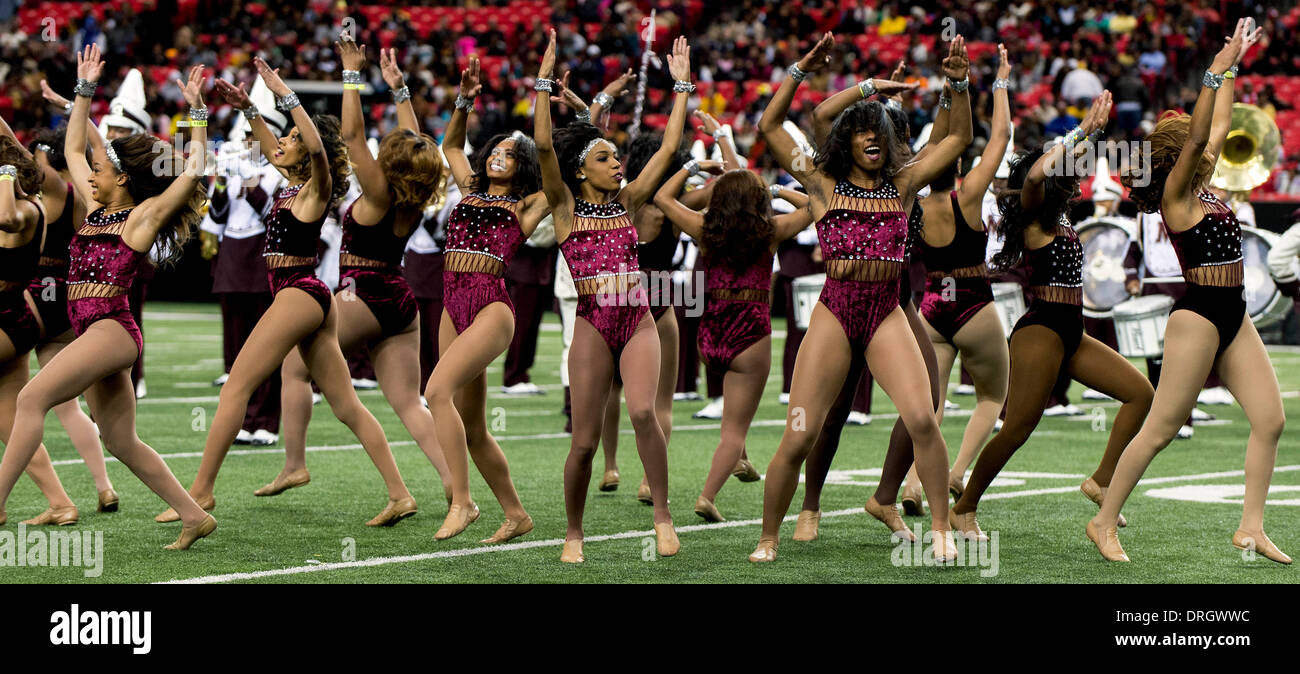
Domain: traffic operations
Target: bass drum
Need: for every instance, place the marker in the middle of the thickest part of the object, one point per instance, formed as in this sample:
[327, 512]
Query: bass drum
[1265, 304]
[1105, 245]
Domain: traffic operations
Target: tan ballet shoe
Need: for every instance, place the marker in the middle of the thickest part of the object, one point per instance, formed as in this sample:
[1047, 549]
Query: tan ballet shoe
[805, 528]
[572, 553]
[1097, 494]
[4, 517]
[888, 515]
[510, 529]
[913, 502]
[396, 511]
[191, 534]
[765, 552]
[610, 481]
[745, 471]
[956, 485]
[945, 550]
[666, 539]
[1258, 542]
[108, 501]
[1107, 542]
[966, 525]
[458, 519]
[705, 508]
[61, 517]
[643, 493]
[283, 483]
[169, 515]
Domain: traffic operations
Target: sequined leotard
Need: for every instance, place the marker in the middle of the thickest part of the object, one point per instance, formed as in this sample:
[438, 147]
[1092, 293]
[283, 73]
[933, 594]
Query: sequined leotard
[290, 253]
[17, 265]
[483, 235]
[100, 274]
[863, 235]
[49, 284]
[602, 254]
[738, 312]
[957, 282]
[1210, 255]
[1055, 280]
[370, 265]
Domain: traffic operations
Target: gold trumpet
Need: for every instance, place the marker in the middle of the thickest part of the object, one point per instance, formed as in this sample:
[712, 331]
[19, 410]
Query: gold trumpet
[1249, 153]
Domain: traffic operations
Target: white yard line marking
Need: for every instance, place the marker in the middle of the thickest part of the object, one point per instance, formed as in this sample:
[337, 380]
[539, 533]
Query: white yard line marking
[557, 542]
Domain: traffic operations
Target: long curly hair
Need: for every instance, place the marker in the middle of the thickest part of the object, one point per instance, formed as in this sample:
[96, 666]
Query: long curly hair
[413, 168]
[528, 168]
[738, 226]
[336, 151]
[1058, 194]
[1167, 141]
[141, 154]
[569, 143]
[836, 155]
[30, 177]
[640, 151]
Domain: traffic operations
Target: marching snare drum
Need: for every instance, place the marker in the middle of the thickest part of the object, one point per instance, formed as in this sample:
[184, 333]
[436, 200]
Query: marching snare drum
[1010, 300]
[1140, 325]
[807, 289]
[1265, 304]
[1105, 245]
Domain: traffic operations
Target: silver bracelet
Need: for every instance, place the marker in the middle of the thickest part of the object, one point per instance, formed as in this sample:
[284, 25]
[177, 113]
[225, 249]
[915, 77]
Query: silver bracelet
[945, 102]
[796, 73]
[402, 95]
[466, 104]
[85, 88]
[42, 147]
[251, 113]
[9, 170]
[1211, 80]
[719, 134]
[288, 102]
[692, 167]
[584, 115]
[774, 190]
[604, 99]
[352, 77]
[1001, 83]
[683, 87]
[67, 109]
[544, 84]
[866, 87]
[198, 114]
[959, 86]
[893, 103]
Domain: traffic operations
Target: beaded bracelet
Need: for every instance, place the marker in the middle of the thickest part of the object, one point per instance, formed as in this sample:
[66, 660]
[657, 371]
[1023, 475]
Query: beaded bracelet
[251, 113]
[959, 86]
[604, 99]
[1211, 80]
[402, 95]
[774, 190]
[8, 172]
[85, 88]
[683, 87]
[796, 73]
[198, 117]
[462, 103]
[544, 84]
[584, 115]
[867, 87]
[42, 147]
[945, 103]
[288, 102]
[1001, 83]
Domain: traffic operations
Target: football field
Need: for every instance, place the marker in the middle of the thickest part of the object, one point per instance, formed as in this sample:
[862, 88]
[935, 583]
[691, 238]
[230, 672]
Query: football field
[1181, 518]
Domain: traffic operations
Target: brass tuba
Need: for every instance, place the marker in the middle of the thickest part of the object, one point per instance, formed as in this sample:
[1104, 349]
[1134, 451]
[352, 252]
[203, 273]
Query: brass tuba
[1249, 153]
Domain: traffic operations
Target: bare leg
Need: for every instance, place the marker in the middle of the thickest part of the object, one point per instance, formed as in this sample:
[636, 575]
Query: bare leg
[13, 376]
[591, 373]
[471, 401]
[742, 388]
[669, 343]
[397, 365]
[1098, 367]
[639, 367]
[984, 354]
[1248, 373]
[295, 411]
[609, 429]
[81, 430]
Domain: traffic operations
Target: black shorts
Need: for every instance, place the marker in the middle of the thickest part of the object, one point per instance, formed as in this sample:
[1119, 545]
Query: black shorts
[1224, 307]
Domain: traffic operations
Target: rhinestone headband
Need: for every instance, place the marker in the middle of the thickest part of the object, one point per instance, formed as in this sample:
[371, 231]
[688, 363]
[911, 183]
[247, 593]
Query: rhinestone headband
[582, 157]
[112, 155]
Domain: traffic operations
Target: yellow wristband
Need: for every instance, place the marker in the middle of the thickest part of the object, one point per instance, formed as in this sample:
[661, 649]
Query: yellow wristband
[352, 86]
[1229, 75]
[194, 123]
[6, 177]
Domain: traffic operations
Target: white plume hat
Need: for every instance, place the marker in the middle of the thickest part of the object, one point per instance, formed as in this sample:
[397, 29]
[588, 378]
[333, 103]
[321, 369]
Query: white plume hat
[262, 97]
[126, 110]
[1104, 188]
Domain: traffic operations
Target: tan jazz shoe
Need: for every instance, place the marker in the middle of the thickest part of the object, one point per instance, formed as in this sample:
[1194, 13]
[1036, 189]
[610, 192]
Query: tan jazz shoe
[913, 502]
[765, 552]
[745, 471]
[1097, 494]
[510, 529]
[956, 485]
[610, 481]
[4, 517]
[945, 550]
[458, 519]
[1258, 542]
[888, 515]
[1107, 542]
[283, 483]
[643, 493]
[966, 525]
[705, 508]
[666, 542]
[65, 516]
[108, 501]
[191, 534]
[169, 515]
[806, 527]
[396, 511]
[572, 553]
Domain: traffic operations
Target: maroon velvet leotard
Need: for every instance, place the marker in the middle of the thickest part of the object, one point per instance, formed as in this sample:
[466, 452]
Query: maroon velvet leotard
[17, 265]
[100, 274]
[602, 254]
[738, 313]
[370, 265]
[483, 235]
[290, 253]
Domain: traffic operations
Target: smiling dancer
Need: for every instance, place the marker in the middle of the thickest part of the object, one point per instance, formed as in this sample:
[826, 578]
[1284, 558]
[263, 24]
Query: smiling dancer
[581, 176]
[314, 159]
[502, 207]
[860, 192]
[1049, 338]
[1208, 327]
[135, 207]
